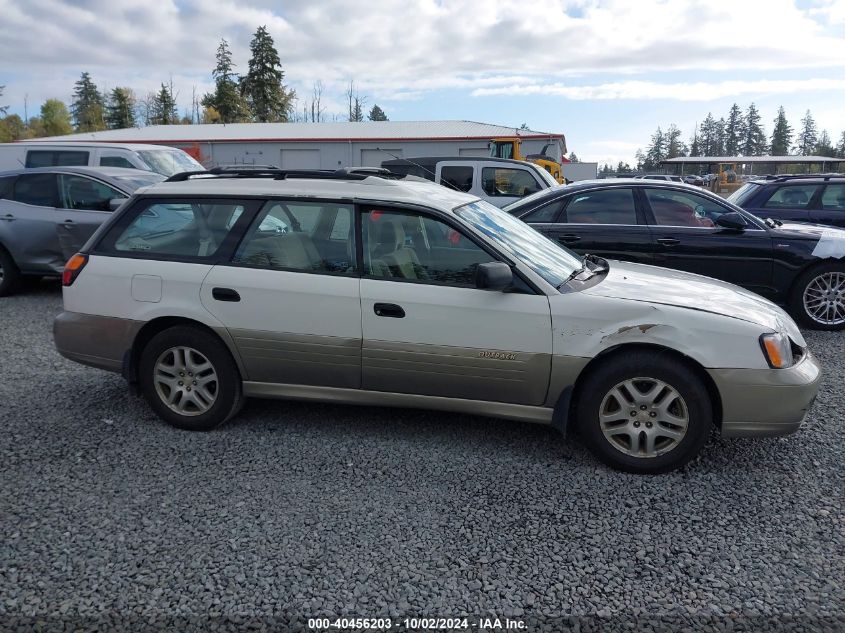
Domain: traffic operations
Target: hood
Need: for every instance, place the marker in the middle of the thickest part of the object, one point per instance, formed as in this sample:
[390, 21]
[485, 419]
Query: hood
[804, 230]
[652, 284]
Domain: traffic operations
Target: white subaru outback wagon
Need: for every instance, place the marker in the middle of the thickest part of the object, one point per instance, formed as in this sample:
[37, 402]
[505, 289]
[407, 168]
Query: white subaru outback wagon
[356, 288]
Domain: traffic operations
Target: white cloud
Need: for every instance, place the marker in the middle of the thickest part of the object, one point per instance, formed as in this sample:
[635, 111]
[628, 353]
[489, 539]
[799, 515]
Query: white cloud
[685, 91]
[402, 49]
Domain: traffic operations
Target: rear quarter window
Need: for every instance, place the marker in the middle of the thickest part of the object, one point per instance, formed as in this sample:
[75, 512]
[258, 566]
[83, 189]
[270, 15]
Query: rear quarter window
[6, 184]
[178, 229]
[791, 197]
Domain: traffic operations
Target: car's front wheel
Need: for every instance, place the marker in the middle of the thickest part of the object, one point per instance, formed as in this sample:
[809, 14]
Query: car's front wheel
[189, 378]
[818, 298]
[644, 412]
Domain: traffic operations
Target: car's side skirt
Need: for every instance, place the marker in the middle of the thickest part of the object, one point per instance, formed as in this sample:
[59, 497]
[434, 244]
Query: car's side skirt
[524, 413]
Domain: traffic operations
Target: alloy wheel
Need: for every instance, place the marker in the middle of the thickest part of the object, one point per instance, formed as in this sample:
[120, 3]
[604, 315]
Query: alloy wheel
[186, 381]
[824, 298]
[643, 417]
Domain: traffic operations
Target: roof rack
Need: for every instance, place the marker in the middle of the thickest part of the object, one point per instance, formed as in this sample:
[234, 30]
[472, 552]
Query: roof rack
[355, 173]
[785, 177]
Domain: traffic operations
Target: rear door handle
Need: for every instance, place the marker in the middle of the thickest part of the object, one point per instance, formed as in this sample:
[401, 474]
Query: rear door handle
[389, 310]
[568, 238]
[669, 241]
[225, 294]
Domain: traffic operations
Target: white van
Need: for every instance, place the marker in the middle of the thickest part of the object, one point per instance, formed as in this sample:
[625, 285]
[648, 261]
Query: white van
[498, 181]
[158, 158]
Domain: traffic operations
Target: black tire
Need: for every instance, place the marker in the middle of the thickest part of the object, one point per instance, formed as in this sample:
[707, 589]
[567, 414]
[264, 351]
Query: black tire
[796, 298]
[663, 367]
[228, 390]
[10, 276]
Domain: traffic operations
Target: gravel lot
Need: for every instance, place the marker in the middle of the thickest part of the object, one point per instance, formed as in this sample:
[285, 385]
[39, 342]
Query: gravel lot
[297, 510]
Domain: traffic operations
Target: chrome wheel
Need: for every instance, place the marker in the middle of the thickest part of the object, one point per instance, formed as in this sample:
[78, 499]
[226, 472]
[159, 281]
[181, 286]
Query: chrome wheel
[186, 381]
[824, 298]
[643, 417]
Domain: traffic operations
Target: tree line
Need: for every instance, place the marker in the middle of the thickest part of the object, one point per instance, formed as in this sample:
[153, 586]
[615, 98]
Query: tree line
[740, 133]
[260, 95]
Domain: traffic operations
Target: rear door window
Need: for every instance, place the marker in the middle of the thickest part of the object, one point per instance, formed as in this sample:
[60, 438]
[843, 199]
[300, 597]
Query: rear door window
[606, 206]
[546, 214]
[178, 229]
[791, 197]
[56, 158]
[505, 181]
[37, 189]
[456, 177]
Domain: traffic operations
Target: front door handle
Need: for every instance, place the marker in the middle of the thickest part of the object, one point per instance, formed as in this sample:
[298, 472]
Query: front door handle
[389, 310]
[225, 294]
[669, 241]
[568, 238]
[8, 217]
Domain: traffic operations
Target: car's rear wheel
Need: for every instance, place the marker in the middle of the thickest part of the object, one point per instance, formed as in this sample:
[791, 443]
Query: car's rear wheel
[10, 276]
[818, 298]
[644, 412]
[189, 378]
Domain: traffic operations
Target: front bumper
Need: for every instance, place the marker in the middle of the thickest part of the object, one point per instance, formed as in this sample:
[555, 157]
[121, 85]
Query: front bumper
[92, 340]
[766, 402]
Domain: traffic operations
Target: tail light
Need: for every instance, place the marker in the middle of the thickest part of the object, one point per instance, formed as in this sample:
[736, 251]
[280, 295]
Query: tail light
[73, 267]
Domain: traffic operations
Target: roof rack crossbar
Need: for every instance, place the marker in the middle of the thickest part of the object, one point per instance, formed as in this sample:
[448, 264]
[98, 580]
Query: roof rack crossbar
[278, 174]
[786, 177]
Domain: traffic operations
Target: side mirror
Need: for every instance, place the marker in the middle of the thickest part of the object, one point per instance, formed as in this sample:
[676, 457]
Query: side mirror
[114, 203]
[732, 220]
[493, 276]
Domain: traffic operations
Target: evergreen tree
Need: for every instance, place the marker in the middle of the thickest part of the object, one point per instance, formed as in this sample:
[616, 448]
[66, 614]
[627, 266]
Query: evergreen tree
[226, 99]
[357, 111]
[377, 114]
[573, 158]
[754, 143]
[88, 106]
[3, 109]
[120, 110]
[781, 135]
[674, 145]
[808, 137]
[656, 150]
[840, 149]
[268, 97]
[695, 143]
[734, 131]
[707, 136]
[824, 146]
[55, 119]
[719, 137]
[163, 109]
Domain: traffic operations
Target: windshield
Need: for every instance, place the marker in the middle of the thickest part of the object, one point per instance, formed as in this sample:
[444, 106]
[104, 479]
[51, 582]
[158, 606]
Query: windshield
[143, 179]
[742, 194]
[514, 207]
[169, 161]
[547, 177]
[548, 259]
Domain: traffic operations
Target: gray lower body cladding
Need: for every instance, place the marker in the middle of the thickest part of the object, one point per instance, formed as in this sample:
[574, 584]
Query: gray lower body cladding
[92, 340]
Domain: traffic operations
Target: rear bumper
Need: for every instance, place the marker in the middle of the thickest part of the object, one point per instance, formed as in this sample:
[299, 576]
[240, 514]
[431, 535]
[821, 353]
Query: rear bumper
[97, 341]
[766, 402]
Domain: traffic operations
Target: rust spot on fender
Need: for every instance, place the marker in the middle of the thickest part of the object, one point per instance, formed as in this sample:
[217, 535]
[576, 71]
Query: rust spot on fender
[643, 328]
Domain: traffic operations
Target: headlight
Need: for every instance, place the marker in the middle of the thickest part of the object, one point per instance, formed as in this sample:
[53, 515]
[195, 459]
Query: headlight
[777, 349]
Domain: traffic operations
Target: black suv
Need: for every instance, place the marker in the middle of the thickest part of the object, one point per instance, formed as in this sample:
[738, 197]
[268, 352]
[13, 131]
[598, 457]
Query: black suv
[813, 198]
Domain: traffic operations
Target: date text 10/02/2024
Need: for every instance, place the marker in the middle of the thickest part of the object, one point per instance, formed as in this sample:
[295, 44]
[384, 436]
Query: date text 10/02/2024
[417, 624]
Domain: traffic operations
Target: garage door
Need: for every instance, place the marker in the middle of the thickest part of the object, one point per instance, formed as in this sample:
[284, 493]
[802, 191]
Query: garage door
[473, 151]
[373, 157]
[300, 159]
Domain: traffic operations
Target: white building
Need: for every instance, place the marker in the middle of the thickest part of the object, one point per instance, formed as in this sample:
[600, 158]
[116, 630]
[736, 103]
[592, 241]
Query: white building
[323, 145]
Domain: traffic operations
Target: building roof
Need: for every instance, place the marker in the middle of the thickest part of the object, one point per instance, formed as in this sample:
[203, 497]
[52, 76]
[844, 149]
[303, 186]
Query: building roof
[330, 131]
[752, 159]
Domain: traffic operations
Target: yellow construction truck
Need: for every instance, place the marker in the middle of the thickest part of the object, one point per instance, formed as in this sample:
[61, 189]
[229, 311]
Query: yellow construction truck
[550, 159]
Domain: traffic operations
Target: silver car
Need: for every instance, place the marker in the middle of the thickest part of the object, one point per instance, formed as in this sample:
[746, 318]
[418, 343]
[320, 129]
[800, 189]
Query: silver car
[358, 289]
[47, 214]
